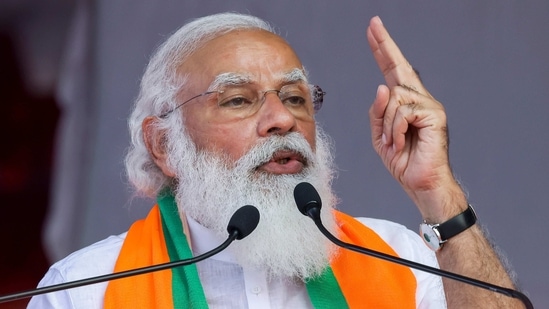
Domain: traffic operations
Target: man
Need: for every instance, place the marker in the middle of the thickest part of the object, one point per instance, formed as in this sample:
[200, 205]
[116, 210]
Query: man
[225, 118]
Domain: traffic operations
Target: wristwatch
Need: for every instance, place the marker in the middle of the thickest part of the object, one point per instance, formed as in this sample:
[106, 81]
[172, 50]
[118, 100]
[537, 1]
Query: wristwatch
[435, 235]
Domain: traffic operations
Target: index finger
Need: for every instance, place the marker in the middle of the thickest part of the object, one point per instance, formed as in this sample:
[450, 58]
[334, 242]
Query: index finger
[392, 63]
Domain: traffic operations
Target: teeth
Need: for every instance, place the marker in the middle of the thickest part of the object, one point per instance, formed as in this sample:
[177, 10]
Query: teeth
[282, 161]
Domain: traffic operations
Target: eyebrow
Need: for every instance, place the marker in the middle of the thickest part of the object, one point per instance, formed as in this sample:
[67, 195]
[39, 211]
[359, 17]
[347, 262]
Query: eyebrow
[295, 75]
[229, 78]
[233, 79]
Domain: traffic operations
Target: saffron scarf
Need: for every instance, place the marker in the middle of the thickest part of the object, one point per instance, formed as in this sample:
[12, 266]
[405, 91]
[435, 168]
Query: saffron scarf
[353, 280]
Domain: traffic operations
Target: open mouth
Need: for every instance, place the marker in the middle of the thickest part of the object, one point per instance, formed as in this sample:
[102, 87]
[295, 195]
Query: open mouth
[284, 162]
[284, 156]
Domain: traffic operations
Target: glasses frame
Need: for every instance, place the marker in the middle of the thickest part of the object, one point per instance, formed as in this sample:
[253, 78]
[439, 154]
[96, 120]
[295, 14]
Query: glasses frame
[316, 92]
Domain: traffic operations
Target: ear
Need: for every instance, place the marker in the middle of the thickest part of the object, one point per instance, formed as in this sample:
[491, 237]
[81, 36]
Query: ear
[155, 141]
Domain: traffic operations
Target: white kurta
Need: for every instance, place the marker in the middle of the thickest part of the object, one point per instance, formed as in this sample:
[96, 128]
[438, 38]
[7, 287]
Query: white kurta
[227, 284]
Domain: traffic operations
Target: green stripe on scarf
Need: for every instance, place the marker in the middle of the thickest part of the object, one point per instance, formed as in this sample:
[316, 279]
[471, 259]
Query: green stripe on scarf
[325, 292]
[186, 287]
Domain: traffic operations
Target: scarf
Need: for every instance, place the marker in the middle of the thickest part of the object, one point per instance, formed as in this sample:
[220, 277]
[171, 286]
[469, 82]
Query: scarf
[352, 280]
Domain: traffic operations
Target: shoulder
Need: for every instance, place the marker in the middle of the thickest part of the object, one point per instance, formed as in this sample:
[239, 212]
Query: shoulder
[405, 242]
[409, 245]
[94, 260]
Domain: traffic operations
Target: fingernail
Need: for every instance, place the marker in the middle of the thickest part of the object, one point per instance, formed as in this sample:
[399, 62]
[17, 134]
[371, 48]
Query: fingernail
[378, 90]
[384, 139]
[379, 18]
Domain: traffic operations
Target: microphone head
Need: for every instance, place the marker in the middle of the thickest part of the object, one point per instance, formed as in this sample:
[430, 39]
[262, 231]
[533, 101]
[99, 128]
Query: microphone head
[306, 197]
[244, 221]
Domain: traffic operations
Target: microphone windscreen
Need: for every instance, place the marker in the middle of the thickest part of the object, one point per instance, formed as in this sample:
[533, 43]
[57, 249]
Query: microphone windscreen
[305, 196]
[244, 220]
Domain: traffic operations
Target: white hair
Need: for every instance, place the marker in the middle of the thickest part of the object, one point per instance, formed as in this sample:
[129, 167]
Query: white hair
[211, 187]
[161, 85]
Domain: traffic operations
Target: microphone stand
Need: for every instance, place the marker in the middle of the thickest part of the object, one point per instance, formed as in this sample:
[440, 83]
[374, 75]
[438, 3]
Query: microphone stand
[241, 224]
[234, 234]
[314, 213]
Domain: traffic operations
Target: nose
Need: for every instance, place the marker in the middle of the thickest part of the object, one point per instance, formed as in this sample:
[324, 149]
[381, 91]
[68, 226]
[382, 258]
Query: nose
[274, 117]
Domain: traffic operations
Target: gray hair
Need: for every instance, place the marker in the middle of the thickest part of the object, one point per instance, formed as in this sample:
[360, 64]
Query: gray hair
[161, 85]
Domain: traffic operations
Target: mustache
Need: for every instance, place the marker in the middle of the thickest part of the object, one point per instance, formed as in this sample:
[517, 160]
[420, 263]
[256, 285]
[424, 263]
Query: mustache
[267, 148]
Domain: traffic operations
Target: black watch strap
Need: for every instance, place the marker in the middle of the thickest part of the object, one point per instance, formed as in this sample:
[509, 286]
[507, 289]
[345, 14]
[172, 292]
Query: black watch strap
[457, 224]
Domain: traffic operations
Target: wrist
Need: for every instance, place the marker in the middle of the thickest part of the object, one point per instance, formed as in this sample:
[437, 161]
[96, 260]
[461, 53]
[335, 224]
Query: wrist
[440, 204]
[435, 235]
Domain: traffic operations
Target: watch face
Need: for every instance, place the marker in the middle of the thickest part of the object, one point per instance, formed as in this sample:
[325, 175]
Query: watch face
[429, 236]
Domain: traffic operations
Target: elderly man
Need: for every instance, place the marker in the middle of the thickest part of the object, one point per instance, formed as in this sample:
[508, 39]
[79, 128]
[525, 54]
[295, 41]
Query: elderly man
[225, 118]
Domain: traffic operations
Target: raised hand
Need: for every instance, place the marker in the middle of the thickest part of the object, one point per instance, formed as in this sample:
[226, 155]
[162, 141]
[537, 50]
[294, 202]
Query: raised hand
[409, 130]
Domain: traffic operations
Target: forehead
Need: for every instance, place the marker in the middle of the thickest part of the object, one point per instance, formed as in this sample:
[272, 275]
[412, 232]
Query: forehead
[260, 55]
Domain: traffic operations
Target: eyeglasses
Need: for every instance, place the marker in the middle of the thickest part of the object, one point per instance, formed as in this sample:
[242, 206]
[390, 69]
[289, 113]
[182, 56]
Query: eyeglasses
[241, 101]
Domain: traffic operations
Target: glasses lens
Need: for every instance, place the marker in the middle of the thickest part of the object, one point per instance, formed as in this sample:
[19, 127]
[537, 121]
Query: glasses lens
[318, 97]
[236, 99]
[296, 97]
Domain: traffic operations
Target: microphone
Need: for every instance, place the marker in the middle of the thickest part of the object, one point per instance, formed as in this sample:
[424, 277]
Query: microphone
[309, 204]
[242, 223]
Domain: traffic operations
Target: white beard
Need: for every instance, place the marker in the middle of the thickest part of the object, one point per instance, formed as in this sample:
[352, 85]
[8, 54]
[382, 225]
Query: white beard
[285, 243]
